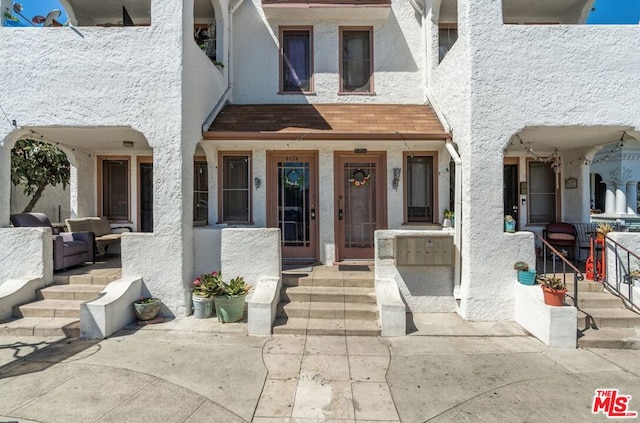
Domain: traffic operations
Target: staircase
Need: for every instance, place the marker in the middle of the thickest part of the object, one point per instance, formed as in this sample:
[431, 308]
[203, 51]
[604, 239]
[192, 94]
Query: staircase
[56, 311]
[603, 320]
[328, 301]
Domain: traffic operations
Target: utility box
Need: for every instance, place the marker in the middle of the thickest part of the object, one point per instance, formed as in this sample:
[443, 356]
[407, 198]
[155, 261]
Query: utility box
[424, 251]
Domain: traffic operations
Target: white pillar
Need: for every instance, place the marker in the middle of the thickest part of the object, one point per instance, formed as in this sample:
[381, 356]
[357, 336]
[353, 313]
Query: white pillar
[632, 197]
[621, 197]
[610, 198]
[5, 185]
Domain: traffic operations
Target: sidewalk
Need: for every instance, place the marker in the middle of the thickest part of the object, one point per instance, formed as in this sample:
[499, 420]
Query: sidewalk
[446, 370]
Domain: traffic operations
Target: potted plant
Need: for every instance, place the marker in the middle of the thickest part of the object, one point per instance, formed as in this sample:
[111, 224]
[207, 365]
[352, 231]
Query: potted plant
[448, 219]
[634, 277]
[553, 290]
[526, 276]
[603, 229]
[229, 299]
[147, 308]
[202, 291]
[509, 224]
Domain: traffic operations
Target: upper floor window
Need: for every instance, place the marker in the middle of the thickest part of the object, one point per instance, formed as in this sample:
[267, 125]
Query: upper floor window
[419, 171]
[296, 60]
[356, 61]
[235, 177]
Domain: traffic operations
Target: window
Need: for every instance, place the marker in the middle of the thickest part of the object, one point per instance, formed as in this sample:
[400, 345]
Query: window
[200, 191]
[235, 176]
[115, 186]
[296, 60]
[356, 61]
[447, 36]
[542, 193]
[419, 171]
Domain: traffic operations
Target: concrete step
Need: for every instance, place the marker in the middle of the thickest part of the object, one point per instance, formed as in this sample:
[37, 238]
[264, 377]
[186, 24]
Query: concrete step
[338, 280]
[328, 294]
[617, 338]
[302, 326]
[585, 286]
[607, 318]
[71, 292]
[591, 300]
[328, 310]
[41, 326]
[49, 308]
[92, 279]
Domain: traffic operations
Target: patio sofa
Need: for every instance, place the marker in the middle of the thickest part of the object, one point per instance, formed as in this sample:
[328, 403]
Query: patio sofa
[100, 227]
[69, 248]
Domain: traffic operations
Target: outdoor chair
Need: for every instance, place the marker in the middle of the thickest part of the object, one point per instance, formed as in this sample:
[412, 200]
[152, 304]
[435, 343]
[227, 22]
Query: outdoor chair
[101, 229]
[69, 248]
[561, 236]
[583, 235]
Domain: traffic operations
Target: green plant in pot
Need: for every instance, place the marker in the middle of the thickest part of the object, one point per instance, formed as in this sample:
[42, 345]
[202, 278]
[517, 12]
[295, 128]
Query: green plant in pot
[229, 299]
[202, 291]
[526, 276]
[553, 289]
[634, 275]
[147, 308]
[448, 219]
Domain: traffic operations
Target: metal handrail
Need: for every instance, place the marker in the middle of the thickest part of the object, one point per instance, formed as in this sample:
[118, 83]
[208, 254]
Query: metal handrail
[577, 274]
[620, 278]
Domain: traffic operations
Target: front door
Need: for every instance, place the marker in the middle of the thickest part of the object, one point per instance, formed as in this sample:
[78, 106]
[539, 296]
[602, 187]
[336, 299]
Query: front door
[511, 190]
[145, 204]
[292, 199]
[360, 204]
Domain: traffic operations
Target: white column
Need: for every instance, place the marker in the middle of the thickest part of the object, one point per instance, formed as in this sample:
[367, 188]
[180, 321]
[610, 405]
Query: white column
[632, 197]
[621, 197]
[5, 185]
[610, 198]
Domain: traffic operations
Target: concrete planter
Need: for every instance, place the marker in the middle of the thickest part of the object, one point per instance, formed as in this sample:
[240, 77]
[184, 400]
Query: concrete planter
[202, 307]
[229, 308]
[147, 310]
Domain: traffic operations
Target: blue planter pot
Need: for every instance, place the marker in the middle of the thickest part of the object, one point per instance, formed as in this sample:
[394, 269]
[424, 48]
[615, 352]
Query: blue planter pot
[527, 277]
[510, 226]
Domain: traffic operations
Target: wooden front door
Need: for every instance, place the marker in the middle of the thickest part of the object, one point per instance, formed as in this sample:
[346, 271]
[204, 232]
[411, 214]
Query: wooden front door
[292, 201]
[360, 203]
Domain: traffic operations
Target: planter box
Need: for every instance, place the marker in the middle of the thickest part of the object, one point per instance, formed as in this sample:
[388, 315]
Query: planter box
[527, 277]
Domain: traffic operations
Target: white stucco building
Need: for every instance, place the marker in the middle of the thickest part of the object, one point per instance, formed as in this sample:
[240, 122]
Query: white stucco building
[330, 120]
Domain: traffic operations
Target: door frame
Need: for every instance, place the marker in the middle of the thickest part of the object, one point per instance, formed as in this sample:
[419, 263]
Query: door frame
[513, 161]
[381, 188]
[314, 190]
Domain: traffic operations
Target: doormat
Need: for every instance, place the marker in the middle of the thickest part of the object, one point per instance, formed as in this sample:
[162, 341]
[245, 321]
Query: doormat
[353, 268]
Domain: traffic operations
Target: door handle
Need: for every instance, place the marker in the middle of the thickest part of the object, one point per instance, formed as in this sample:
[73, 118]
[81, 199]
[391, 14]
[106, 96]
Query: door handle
[340, 214]
[313, 214]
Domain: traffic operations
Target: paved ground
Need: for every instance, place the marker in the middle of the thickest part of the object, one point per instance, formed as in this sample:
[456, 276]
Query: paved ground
[190, 370]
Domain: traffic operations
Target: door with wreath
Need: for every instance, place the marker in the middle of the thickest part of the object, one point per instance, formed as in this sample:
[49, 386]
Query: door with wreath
[360, 203]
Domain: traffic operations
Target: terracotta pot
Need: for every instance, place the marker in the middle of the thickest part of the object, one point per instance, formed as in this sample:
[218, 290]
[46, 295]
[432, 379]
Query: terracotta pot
[553, 297]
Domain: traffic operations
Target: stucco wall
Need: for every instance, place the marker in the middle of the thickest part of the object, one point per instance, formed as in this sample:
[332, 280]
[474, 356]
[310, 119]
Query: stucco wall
[397, 54]
[26, 252]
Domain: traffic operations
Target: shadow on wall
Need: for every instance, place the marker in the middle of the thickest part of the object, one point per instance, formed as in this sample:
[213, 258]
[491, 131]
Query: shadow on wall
[428, 281]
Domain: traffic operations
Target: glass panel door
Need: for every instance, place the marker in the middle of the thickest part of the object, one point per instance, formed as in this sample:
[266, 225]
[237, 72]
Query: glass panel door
[360, 205]
[293, 205]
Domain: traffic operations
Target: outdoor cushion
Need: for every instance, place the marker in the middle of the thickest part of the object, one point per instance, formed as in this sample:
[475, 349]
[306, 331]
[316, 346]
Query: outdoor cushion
[560, 236]
[74, 247]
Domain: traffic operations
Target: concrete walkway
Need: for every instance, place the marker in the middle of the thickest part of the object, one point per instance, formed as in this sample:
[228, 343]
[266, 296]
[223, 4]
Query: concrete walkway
[188, 370]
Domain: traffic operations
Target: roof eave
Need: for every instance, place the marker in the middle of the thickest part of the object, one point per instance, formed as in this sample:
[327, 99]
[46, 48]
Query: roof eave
[319, 136]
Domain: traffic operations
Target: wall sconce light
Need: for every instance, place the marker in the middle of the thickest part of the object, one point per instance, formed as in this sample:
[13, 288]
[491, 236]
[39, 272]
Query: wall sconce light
[127, 144]
[257, 182]
[396, 178]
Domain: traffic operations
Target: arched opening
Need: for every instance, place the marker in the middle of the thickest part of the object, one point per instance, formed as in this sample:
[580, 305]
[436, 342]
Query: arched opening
[206, 29]
[447, 27]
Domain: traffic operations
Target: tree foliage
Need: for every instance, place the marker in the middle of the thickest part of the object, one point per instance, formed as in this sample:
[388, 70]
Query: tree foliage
[35, 165]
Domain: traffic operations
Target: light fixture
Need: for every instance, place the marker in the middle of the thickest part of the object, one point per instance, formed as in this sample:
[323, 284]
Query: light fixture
[396, 178]
[257, 182]
[128, 144]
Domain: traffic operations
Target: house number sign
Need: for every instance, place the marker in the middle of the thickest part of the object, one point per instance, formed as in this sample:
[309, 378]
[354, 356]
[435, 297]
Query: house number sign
[291, 158]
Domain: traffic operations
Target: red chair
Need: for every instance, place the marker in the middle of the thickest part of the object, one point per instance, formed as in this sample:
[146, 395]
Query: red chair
[561, 236]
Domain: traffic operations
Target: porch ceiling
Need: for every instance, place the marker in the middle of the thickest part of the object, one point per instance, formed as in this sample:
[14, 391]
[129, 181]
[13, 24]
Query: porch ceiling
[570, 137]
[92, 139]
[327, 121]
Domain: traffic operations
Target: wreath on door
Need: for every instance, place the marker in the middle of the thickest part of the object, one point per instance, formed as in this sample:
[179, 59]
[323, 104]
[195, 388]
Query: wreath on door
[359, 178]
[292, 179]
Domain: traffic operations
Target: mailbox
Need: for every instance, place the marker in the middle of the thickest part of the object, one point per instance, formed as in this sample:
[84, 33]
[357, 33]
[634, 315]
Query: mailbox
[424, 251]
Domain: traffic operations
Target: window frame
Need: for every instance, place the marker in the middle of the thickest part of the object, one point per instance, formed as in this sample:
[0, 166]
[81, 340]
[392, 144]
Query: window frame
[405, 190]
[557, 193]
[221, 156]
[342, 30]
[101, 203]
[281, 31]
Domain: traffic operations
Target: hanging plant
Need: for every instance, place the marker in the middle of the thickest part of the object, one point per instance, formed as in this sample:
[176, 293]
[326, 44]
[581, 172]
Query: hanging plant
[294, 180]
[359, 178]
